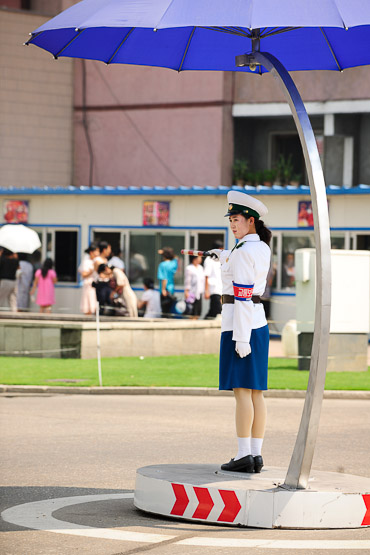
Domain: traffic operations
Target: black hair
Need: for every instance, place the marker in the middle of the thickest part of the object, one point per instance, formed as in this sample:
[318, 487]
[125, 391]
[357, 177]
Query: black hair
[23, 256]
[103, 245]
[7, 252]
[193, 257]
[91, 247]
[47, 265]
[148, 282]
[261, 230]
[102, 268]
[168, 253]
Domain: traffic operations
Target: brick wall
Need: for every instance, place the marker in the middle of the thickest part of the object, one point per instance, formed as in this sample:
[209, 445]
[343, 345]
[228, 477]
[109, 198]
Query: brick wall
[36, 106]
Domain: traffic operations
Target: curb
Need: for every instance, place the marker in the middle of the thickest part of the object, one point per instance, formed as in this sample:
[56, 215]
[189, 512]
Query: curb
[193, 391]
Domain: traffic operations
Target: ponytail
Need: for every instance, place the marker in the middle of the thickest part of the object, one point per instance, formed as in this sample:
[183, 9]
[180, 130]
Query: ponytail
[263, 231]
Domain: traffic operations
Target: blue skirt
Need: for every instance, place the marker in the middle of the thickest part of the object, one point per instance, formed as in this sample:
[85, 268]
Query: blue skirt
[249, 372]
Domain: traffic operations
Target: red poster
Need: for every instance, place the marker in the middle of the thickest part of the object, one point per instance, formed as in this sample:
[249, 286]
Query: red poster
[156, 213]
[16, 211]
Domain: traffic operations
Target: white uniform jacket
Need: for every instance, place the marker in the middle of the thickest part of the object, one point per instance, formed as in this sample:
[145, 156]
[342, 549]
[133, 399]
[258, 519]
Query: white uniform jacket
[244, 271]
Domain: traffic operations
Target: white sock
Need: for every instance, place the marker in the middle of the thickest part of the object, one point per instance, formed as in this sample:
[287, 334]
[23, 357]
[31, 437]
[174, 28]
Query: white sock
[244, 447]
[256, 445]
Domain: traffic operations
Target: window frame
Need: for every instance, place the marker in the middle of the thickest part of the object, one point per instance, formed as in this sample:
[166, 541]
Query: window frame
[52, 228]
[189, 233]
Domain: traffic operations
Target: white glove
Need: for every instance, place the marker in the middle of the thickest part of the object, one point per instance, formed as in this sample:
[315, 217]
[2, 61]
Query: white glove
[215, 253]
[243, 349]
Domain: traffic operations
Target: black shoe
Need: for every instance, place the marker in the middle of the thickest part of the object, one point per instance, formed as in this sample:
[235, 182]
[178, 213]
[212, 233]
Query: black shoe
[258, 463]
[245, 464]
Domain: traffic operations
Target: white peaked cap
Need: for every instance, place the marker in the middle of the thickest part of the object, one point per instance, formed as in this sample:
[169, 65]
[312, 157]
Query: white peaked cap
[237, 199]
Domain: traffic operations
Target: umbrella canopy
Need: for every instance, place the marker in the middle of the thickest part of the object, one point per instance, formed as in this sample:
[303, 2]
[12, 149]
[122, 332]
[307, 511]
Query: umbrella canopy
[207, 35]
[19, 238]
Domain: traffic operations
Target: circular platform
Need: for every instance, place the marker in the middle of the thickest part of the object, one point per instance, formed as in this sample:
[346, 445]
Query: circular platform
[204, 493]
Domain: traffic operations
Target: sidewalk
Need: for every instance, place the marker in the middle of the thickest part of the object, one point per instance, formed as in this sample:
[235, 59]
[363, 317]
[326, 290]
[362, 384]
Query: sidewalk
[193, 391]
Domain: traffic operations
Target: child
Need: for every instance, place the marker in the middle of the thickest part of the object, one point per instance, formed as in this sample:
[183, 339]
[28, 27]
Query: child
[45, 279]
[104, 288]
[151, 300]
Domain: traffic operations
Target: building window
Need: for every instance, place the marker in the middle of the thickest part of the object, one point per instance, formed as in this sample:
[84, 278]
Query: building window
[65, 255]
[337, 241]
[363, 242]
[62, 247]
[140, 248]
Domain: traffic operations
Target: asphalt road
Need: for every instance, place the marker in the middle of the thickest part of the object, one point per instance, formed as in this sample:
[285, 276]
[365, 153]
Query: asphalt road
[62, 446]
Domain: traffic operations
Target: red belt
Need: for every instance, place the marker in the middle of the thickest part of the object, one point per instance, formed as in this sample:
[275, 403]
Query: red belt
[230, 299]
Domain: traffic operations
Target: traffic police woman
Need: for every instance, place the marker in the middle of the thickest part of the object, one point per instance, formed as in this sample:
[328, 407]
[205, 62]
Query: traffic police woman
[244, 330]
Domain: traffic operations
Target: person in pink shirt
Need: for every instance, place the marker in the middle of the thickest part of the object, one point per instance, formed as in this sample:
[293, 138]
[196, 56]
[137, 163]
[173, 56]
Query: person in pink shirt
[45, 279]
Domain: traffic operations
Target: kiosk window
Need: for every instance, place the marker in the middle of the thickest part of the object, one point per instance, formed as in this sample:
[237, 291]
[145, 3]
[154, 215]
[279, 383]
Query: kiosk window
[363, 242]
[290, 244]
[66, 255]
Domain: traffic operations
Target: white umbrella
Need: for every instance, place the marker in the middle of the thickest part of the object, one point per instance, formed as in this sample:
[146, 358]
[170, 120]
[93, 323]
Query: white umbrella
[19, 238]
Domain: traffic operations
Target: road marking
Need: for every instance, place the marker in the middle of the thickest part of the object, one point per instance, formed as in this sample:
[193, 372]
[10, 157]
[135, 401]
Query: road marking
[276, 544]
[37, 515]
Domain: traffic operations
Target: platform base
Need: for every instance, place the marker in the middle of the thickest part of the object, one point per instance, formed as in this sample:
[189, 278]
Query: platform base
[204, 493]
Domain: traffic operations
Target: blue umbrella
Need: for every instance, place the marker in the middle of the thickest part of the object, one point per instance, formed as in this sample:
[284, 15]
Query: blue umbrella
[208, 34]
[256, 35]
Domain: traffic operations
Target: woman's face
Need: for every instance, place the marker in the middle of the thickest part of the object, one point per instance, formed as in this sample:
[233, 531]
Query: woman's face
[241, 226]
[94, 254]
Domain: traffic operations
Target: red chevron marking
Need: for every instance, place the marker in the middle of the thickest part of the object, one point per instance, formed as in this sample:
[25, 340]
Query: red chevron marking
[205, 503]
[232, 506]
[182, 500]
[366, 521]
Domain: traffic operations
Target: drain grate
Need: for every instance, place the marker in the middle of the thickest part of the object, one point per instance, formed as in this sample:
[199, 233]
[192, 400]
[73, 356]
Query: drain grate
[66, 381]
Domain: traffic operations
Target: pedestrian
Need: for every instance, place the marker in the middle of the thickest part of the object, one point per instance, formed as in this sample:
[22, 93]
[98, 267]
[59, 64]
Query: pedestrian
[88, 274]
[24, 282]
[104, 252]
[8, 270]
[123, 292]
[150, 300]
[213, 283]
[166, 276]
[244, 330]
[116, 259]
[104, 285]
[194, 287]
[44, 282]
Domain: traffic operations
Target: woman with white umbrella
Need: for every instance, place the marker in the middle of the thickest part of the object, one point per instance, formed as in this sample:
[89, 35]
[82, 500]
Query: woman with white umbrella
[8, 268]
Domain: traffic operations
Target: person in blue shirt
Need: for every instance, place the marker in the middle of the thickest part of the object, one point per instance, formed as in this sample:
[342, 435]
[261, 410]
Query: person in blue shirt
[166, 273]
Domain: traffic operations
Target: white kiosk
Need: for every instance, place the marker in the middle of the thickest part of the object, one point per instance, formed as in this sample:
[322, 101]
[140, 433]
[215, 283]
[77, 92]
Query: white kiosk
[350, 308]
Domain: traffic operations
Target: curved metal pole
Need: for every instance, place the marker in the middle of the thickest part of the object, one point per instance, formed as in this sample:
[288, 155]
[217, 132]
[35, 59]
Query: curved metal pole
[300, 463]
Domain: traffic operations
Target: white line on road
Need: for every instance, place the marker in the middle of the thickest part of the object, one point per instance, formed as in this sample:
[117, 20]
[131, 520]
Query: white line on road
[276, 544]
[38, 516]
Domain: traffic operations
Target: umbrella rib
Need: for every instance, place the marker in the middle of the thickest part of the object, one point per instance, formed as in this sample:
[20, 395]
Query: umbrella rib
[340, 15]
[34, 36]
[186, 49]
[68, 43]
[331, 49]
[120, 45]
[242, 32]
[226, 30]
[280, 30]
[164, 13]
